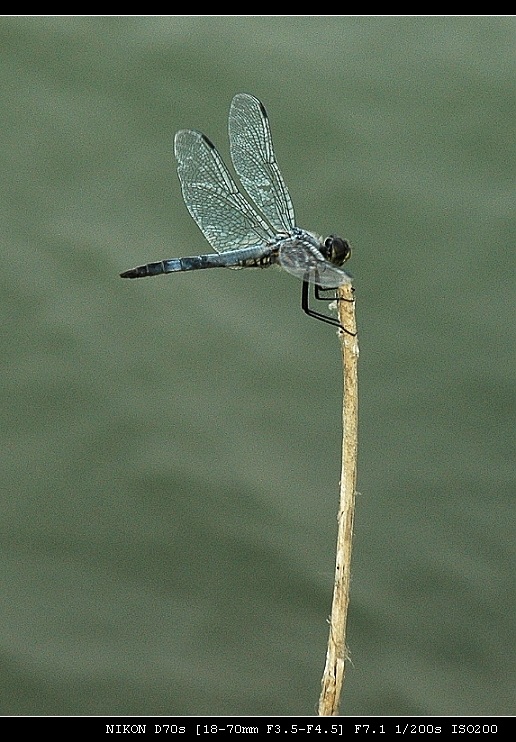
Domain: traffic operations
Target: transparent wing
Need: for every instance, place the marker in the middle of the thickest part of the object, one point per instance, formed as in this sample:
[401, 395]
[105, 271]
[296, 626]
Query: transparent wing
[212, 197]
[254, 160]
[306, 262]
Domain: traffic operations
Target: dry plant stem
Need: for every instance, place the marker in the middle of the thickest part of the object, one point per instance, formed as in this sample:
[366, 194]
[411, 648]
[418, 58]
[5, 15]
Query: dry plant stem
[333, 676]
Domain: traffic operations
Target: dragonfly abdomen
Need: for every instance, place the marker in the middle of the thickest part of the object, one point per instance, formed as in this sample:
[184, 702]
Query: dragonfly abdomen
[263, 262]
[251, 257]
[174, 265]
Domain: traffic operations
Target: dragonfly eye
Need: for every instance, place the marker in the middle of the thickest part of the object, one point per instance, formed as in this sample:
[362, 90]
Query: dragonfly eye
[336, 250]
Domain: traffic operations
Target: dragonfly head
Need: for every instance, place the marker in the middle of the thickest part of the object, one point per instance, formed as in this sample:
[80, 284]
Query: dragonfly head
[336, 250]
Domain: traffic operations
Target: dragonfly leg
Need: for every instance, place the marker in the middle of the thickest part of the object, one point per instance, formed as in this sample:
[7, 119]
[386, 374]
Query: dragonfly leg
[320, 297]
[329, 320]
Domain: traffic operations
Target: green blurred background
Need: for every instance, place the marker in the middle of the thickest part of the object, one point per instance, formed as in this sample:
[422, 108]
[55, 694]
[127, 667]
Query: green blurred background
[170, 447]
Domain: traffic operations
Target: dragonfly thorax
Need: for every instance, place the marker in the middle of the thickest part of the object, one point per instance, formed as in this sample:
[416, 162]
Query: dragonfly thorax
[335, 250]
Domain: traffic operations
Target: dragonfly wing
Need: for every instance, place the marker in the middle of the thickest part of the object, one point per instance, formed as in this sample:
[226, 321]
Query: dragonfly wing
[306, 262]
[212, 197]
[254, 160]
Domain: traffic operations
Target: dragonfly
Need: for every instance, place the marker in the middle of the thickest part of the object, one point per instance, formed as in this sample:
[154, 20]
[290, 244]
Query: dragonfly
[252, 226]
